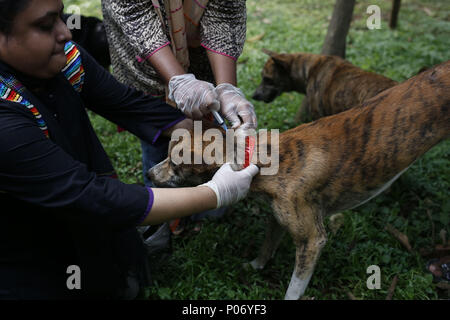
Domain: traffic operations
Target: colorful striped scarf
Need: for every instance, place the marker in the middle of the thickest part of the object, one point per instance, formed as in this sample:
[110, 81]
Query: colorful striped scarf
[12, 90]
[73, 71]
[8, 87]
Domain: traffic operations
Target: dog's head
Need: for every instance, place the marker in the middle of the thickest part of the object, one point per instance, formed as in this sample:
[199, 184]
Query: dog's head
[276, 77]
[284, 72]
[185, 165]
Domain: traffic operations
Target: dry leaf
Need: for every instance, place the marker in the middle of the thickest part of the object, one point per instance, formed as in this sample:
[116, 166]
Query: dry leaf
[256, 38]
[336, 221]
[400, 237]
[428, 11]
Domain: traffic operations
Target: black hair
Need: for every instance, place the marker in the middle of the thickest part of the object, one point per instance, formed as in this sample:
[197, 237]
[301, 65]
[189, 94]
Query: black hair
[9, 9]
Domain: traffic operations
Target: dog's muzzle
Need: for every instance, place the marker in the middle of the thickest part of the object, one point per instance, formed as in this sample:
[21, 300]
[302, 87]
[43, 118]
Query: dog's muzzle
[161, 175]
[265, 94]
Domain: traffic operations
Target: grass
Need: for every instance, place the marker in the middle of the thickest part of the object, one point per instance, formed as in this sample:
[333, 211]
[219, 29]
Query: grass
[208, 265]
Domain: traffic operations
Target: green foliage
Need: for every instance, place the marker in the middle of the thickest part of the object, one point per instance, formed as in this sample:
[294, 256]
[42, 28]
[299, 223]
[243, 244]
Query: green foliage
[87, 8]
[208, 265]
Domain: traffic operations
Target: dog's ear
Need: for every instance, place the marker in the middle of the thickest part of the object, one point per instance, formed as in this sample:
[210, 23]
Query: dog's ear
[269, 52]
[283, 60]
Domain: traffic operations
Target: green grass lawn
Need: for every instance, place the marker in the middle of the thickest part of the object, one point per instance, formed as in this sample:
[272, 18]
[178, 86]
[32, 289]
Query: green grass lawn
[208, 265]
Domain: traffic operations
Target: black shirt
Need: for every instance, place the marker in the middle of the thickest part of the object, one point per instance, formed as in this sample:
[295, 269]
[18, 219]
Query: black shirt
[59, 204]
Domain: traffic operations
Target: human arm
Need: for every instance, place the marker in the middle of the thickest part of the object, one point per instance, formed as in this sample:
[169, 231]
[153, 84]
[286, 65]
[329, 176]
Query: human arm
[225, 188]
[140, 114]
[223, 35]
[137, 24]
[174, 203]
[233, 104]
[223, 68]
[35, 170]
[194, 97]
[167, 66]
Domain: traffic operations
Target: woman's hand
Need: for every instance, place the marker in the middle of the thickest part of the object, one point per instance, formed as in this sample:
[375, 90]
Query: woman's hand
[234, 105]
[194, 97]
[231, 186]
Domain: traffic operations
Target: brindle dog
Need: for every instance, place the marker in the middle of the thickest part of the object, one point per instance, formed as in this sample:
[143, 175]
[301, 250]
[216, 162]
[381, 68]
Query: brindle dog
[331, 84]
[338, 163]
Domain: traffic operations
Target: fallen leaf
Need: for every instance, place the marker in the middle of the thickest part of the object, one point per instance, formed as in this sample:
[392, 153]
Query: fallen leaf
[336, 221]
[256, 38]
[400, 237]
[428, 11]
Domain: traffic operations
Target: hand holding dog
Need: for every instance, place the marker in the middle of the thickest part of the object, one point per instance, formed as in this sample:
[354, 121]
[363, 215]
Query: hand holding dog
[194, 97]
[231, 186]
[234, 105]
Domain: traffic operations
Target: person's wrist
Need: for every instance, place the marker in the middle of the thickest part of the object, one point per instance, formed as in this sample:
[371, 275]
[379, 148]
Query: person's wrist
[224, 85]
[228, 88]
[175, 82]
[212, 186]
[179, 78]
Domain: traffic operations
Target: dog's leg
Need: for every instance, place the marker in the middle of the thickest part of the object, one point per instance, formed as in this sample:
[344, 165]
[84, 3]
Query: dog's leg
[274, 235]
[309, 237]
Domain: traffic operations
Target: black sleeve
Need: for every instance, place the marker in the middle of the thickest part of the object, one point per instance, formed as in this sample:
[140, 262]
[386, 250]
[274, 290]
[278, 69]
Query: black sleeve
[141, 114]
[35, 170]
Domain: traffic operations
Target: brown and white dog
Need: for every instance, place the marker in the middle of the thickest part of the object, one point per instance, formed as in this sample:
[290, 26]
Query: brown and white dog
[331, 84]
[338, 163]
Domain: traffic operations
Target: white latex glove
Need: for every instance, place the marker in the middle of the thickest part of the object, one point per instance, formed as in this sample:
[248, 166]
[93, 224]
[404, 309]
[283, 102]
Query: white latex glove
[233, 103]
[231, 186]
[195, 98]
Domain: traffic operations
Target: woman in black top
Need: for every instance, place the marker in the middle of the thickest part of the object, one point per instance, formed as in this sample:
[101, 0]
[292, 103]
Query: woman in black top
[61, 204]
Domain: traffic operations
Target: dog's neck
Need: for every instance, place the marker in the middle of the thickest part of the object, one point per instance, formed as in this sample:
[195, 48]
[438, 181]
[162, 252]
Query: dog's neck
[262, 149]
[300, 79]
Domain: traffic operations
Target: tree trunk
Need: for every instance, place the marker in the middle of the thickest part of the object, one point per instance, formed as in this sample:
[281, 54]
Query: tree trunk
[338, 29]
[394, 13]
